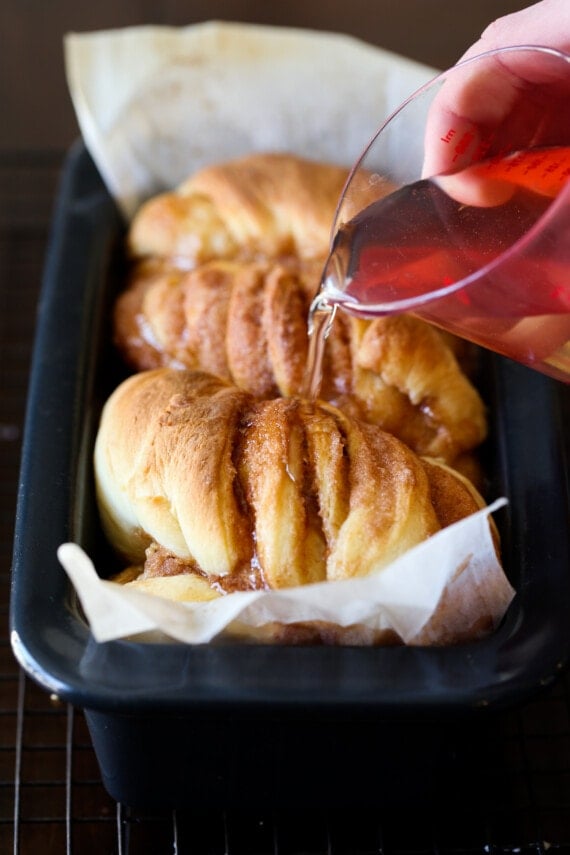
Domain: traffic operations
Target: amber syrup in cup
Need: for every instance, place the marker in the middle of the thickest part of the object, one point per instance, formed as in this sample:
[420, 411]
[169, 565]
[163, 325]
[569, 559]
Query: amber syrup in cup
[496, 272]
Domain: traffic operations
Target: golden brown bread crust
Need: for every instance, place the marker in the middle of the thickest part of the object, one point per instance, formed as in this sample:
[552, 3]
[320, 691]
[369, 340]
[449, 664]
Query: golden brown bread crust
[244, 322]
[251, 494]
[262, 204]
[210, 483]
[247, 323]
[224, 271]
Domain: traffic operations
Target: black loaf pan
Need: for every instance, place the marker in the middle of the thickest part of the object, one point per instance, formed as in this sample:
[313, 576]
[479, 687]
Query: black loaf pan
[232, 724]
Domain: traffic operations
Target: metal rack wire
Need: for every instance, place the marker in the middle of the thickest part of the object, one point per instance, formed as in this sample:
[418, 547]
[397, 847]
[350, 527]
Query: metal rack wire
[59, 805]
[515, 799]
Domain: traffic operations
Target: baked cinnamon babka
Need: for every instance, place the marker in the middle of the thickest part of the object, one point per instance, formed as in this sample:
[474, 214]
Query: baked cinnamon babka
[197, 477]
[223, 273]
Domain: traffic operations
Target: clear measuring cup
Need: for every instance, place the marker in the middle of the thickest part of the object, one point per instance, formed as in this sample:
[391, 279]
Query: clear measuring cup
[458, 211]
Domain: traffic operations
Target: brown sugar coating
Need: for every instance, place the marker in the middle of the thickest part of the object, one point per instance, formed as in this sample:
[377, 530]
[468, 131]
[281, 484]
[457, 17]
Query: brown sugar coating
[247, 323]
[195, 476]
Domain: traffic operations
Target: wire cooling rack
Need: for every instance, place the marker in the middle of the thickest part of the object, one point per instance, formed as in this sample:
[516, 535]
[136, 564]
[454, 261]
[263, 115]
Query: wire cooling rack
[54, 802]
[514, 799]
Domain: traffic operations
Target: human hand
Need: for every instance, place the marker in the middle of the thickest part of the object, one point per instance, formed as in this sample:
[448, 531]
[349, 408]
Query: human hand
[509, 101]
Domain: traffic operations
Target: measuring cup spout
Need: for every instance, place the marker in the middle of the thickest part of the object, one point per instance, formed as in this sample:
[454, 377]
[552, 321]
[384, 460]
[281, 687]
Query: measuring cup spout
[335, 279]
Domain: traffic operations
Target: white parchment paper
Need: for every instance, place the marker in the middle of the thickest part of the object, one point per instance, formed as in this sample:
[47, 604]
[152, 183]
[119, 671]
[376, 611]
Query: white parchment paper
[436, 593]
[156, 103]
